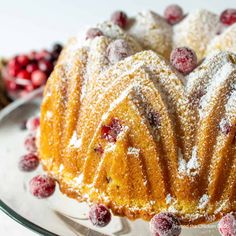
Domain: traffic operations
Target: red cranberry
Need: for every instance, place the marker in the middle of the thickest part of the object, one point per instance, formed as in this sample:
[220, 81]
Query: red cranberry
[30, 143]
[33, 123]
[111, 131]
[173, 14]
[227, 225]
[31, 67]
[38, 78]
[44, 54]
[23, 60]
[183, 59]
[165, 224]
[29, 88]
[228, 17]
[119, 18]
[13, 67]
[28, 162]
[118, 50]
[42, 186]
[93, 33]
[99, 215]
[12, 86]
[45, 66]
[23, 75]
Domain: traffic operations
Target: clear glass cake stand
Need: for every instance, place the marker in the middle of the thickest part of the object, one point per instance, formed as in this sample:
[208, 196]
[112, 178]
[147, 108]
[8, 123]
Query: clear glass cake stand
[57, 215]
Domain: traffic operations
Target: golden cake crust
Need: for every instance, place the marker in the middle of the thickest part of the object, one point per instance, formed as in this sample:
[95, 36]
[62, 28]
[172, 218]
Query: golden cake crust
[172, 145]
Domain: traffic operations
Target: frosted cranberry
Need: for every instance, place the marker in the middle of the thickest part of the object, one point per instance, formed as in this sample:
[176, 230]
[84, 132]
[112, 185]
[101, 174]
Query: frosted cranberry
[23, 74]
[30, 143]
[111, 131]
[31, 67]
[12, 86]
[165, 224]
[45, 66]
[173, 14]
[118, 50]
[42, 186]
[99, 215]
[227, 225]
[183, 59]
[13, 67]
[38, 78]
[23, 60]
[33, 123]
[119, 18]
[28, 162]
[93, 33]
[228, 17]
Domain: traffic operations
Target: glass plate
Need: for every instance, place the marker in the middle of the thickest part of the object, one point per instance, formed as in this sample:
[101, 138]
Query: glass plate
[57, 215]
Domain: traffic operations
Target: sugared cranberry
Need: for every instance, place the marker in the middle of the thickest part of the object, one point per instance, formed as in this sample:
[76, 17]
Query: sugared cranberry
[119, 18]
[38, 78]
[99, 215]
[111, 131]
[165, 224]
[228, 17]
[173, 14]
[30, 143]
[57, 47]
[93, 33]
[31, 67]
[33, 123]
[225, 126]
[118, 50]
[28, 162]
[183, 59]
[227, 225]
[23, 74]
[45, 66]
[23, 60]
[42, 186]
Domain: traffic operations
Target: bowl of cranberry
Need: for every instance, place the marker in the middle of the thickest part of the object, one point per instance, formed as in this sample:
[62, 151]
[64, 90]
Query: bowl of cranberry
[24, 73]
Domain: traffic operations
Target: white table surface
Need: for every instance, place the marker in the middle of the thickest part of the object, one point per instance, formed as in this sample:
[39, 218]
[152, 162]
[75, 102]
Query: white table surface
[28, 24]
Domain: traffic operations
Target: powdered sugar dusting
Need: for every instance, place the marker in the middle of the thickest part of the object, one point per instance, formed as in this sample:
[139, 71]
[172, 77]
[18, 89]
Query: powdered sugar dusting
[75, 141]
[203, 201]
[133, 151]
[190, 167]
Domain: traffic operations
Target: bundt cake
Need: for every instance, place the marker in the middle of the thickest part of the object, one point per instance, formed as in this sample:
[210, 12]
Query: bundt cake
[121, 126]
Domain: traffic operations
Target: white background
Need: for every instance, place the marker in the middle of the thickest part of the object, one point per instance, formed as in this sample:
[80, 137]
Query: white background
[34, 24]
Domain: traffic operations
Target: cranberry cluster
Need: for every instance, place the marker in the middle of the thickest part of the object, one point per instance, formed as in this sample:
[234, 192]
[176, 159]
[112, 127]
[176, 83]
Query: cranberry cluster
[41, 186]
[24, 73]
